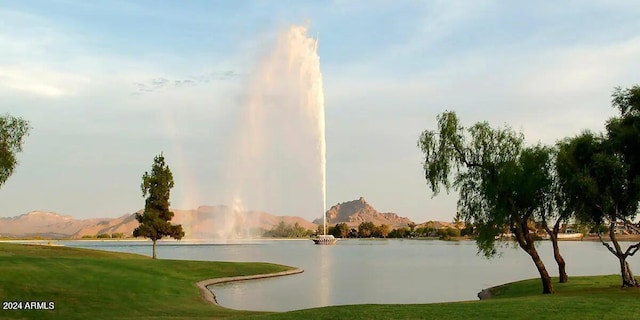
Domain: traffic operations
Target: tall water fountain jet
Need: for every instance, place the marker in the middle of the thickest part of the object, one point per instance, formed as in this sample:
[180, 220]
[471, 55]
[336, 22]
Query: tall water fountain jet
[278, 161]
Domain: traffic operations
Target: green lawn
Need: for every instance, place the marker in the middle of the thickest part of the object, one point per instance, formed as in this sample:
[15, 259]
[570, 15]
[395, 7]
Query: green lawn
[598, 297]
[87, 284]
[90, 284]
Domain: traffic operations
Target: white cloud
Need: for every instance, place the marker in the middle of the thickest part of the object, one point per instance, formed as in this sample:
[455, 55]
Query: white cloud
[41, 81]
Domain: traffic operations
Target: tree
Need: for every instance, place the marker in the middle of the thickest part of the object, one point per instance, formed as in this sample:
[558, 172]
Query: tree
[320, 229]
[458, 223]
[381, 231]
[559, 209]
[412, 227]
[154, 221]
[601, 176]
[341, 230]
[401, 232]
[501, 184]
[13, 130]
[284, 230]
[430, 228]
[365, 229]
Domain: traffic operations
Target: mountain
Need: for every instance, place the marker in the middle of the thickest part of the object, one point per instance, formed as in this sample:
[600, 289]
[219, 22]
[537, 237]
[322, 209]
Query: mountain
[203, 222]
[357, 211]
[224, 222]
[45, 224]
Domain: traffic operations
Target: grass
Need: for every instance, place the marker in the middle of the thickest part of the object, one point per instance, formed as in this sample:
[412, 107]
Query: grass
[91, 284]
[88, 284]
[594, 297]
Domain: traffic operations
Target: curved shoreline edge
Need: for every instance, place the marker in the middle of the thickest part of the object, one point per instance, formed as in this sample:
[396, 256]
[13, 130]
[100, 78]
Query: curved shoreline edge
[485, 294]
[209, 296]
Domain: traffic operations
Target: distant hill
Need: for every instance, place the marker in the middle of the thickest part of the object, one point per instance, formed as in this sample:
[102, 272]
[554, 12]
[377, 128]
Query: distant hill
[45, 224]
[357, 211]
[203, 222]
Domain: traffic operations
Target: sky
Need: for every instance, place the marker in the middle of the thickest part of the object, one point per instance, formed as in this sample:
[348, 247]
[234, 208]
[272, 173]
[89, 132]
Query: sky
[107, 85]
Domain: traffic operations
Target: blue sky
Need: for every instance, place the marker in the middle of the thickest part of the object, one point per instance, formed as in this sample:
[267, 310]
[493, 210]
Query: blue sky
[100, 80]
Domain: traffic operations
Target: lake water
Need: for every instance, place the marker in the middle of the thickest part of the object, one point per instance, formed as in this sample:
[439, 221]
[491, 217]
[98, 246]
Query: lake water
[358, 271]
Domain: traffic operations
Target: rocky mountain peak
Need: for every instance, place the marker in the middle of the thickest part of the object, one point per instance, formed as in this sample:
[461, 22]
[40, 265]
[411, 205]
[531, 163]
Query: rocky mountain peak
[357, 211]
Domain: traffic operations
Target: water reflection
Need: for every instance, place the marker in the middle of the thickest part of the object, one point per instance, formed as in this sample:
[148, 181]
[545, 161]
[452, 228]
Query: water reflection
[324, 281]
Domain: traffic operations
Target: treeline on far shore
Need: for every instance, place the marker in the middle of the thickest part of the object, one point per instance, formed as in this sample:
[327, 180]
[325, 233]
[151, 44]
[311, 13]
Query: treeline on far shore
[367, 230]
[115, 235]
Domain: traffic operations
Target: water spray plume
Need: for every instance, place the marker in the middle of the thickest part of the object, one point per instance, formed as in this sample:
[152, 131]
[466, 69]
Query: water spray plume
[278, 161]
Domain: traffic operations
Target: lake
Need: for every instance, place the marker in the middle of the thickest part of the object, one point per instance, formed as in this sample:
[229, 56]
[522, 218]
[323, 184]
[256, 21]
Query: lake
[359, 271]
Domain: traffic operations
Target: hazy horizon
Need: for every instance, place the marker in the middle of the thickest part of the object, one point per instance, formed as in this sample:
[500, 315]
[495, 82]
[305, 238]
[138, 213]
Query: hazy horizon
[107, 85]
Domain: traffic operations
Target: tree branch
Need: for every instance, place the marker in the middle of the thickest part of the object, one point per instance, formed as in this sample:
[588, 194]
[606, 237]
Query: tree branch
[556, 226]
[628, 223]
[463, 158]
[632, 250]
[606, 244]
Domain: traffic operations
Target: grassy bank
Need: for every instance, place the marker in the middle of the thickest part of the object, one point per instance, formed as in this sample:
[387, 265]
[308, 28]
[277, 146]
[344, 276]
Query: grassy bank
[88, 284]
[596, 297]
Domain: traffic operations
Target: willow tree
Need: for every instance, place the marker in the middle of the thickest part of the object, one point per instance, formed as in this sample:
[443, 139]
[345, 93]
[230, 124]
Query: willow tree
[601, 176]
[559, 210]
[13, 130]
[556, 210]
[502, 185]
[154, 221]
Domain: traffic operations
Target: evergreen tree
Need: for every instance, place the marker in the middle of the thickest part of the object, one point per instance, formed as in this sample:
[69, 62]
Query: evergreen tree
[154, 221]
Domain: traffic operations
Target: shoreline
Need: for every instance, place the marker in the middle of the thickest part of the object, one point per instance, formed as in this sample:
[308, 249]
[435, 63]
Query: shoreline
[209, 296]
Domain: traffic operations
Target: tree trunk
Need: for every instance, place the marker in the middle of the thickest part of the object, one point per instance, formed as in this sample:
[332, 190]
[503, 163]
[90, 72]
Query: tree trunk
[526, 242]
[628, 280]
[553, 234]
[154, 249]
[562, 271]
[547, 286]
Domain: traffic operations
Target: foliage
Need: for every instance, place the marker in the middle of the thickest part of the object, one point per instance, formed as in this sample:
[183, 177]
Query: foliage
[13, 130]
[501, 183]
[600, 175]
[381, 231]
[427, 230]
[599, 229]
[284, 230]
[366, 229]
[448, 233]
[340, 230]
[154, 221]
[403, 232]
[468, 230]
[104, 236]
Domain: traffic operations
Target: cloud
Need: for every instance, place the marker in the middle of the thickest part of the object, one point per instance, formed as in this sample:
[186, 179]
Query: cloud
[549, 92]
[41, 81]
[160, 84]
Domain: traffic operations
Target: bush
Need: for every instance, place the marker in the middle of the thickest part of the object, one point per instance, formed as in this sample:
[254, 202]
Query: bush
[448, 232]
[453, 232]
